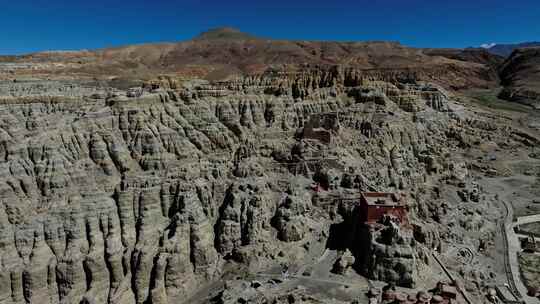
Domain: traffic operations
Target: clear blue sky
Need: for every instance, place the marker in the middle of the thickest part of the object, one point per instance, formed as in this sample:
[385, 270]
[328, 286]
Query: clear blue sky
[28, 26]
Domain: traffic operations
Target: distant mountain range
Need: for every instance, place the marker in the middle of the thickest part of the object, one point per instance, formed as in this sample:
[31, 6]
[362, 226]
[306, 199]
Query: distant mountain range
[225, 53]
[506, 49]
[222, 53]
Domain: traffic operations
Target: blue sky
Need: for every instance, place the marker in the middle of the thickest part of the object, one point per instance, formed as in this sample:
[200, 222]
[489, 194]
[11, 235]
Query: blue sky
[29, 26]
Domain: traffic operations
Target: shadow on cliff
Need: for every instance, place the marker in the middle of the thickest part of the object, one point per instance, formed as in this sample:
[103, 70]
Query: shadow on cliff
[350, 234]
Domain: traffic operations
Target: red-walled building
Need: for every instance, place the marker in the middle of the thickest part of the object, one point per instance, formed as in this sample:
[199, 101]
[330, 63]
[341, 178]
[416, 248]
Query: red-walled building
[374, 205]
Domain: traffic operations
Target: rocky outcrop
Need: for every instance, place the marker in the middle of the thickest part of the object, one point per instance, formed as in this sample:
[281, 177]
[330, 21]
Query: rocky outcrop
[389, 255]
[290, 218]
[245, 217]
[520, 77]
[382, 251]
[344, 263]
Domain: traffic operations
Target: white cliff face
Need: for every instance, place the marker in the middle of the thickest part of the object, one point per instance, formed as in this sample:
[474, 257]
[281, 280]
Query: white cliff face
[140, 199]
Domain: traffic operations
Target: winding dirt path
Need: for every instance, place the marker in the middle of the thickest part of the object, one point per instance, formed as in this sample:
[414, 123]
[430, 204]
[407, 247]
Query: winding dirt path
[511, 241]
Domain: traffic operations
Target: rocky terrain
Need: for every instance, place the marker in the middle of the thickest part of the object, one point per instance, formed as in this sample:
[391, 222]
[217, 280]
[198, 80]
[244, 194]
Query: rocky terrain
[520, 74]
[210, 186]
[506, 50]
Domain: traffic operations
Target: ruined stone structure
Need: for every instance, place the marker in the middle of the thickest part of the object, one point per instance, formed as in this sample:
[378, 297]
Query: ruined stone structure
[321, 127]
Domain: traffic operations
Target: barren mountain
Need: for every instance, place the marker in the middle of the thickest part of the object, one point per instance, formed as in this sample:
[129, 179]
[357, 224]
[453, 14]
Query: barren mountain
[480, 56]
[520, 74]
[220, 53]
[506, 50]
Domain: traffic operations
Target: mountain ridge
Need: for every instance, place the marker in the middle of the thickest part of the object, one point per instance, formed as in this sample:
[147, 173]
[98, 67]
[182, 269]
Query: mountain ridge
[223, 51]
[506, 50]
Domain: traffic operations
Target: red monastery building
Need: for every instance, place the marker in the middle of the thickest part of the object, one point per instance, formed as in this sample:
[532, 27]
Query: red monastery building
[374, 205]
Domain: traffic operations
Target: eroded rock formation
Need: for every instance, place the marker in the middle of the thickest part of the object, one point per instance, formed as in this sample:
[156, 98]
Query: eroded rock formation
[144, 196]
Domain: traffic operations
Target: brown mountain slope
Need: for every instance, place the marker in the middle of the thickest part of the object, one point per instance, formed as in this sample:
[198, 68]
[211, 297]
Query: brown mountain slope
[226, 51]
[477, 55]
[520, 75]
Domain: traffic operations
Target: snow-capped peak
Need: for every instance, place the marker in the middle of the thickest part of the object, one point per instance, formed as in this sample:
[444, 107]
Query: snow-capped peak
[488, 45]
